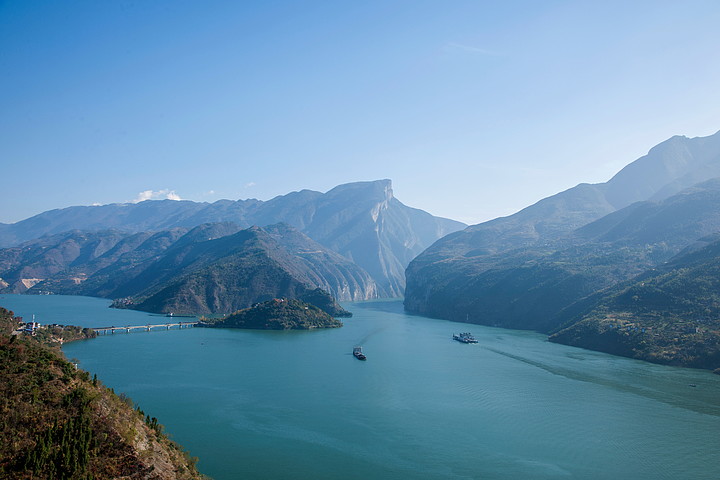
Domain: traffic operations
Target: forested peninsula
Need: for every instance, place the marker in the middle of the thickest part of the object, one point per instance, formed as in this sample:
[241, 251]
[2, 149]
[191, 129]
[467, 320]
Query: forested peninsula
[278, 314]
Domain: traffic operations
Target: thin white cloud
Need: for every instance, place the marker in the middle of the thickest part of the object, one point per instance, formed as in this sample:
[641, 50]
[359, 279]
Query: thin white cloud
[165, 194]
[472, 49]
[250, 184]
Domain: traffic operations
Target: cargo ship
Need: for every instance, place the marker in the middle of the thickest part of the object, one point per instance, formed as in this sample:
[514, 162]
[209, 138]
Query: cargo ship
[464, 337]
[357, 353]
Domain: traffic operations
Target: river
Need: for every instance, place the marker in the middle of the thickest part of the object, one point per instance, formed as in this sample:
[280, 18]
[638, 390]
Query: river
[279, 405]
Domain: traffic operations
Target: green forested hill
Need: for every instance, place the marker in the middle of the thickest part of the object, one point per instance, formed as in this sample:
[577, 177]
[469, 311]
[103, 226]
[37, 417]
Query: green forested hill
[280, 314]
[667, 315]
[57, 423]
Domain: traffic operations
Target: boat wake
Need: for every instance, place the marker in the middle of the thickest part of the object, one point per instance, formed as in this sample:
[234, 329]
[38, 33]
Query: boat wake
[367, 337]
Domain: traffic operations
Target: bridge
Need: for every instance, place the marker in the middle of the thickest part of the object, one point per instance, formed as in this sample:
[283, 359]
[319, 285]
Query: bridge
[146, 328]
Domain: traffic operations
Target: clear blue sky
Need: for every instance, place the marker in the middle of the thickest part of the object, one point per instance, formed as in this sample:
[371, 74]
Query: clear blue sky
[474, 109]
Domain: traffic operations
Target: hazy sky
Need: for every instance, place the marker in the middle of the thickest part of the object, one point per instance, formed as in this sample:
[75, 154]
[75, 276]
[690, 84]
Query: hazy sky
[474, 109]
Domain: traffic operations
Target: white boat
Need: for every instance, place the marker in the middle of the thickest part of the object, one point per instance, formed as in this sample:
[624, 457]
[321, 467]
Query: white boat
[464, 337]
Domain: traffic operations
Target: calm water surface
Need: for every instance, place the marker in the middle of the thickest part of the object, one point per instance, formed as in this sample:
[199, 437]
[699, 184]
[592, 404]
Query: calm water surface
[278, 405]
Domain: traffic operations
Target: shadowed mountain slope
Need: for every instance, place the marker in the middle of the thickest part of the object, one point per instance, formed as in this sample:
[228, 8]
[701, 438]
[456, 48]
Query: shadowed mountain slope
[666, 315]
[532, 287]
[459, 262]
[212, 268]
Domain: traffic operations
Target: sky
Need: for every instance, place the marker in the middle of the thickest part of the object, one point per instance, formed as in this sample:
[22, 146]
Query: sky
[474, 109]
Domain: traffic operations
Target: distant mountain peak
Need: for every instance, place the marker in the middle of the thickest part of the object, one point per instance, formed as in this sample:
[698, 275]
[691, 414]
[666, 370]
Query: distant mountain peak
[381, 189]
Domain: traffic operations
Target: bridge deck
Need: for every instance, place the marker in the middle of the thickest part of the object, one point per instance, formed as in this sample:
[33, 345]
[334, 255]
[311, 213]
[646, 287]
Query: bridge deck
[147, 328]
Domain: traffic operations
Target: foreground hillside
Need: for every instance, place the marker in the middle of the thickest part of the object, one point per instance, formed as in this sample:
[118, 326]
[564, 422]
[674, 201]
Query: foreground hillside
[56, 423]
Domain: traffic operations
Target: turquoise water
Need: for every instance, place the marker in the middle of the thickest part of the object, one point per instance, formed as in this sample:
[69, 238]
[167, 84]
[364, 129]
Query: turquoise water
[278, 405]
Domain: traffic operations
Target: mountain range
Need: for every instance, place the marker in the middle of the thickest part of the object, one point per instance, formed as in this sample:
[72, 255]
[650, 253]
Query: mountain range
[667, 169]
[541, 268]
[211, 268]
[362, 221]
[562, 266]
